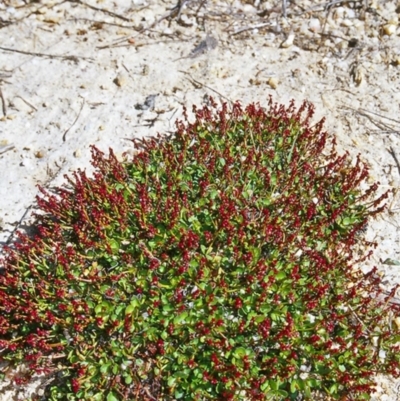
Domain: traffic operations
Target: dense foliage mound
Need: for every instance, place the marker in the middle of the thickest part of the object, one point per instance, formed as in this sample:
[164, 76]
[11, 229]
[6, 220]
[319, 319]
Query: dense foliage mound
[219, 263]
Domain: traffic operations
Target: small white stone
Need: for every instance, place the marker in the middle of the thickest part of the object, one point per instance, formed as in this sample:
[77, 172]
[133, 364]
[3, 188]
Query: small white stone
[289, 41]
[347, 22]
[121, 79]
[273, 82]
[249, 9]
[338, 13]
[314, 25]
[349, 13]
[389, 29]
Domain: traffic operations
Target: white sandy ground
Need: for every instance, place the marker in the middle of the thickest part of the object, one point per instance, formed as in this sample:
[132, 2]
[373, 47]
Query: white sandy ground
[76, 73]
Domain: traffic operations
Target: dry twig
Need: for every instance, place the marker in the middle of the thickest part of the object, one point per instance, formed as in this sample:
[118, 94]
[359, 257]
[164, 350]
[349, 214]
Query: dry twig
[6, 148]
[3, 103]
[64, 137]
[54, 56]
[198, 84]
[175, 11]
[379, 124]
[393, 154]
[249, 28]
[111, 13]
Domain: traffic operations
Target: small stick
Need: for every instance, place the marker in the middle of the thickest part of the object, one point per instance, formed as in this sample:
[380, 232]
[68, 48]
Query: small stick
[360, 321]
[172, 13]
[97, 22]
[6, 148]
[76, 119]
[73, 58]
[249, 28]
[180, 5]
[380, 115]
[3, 104]
[200, 6]
[29, 104]
[199, 84]
[363, 112]
[393, 154]
[103, 11]
[284, 8]
[127, 70]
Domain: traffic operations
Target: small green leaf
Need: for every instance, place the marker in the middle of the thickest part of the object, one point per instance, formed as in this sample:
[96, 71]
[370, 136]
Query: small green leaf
[114, 244]
[265, 386]
[281, 275]
[273, 384]
[333, 389]
[239, 352]
[112, 397]
[213, 194]
[181, 317]
[129, 309]
[294, 386]
[104, 368]
[128, 379]
[171, 381]
[178, 394]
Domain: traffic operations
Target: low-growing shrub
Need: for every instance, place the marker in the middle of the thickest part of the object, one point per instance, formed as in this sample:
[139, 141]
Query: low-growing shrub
[219, 263]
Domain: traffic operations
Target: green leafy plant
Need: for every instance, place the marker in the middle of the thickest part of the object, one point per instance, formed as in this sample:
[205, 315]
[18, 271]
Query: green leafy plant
[218, 263]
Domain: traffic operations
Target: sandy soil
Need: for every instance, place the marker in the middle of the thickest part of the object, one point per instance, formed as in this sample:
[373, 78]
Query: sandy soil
[76, 73]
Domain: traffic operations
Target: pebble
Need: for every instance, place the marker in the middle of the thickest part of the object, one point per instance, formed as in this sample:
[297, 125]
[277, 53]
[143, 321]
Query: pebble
[314, 25]
[338, 13]
[39, 154]
[347, 22]
[273, 82]
[389, 29]
[349, 13]
[289, 41]
[121, 79]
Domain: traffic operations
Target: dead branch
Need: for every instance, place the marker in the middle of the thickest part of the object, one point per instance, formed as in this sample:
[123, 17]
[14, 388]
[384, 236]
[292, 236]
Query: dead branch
[393, 154]
[249, 28]
[3, 103]
[64, 137]
[171, 14]
[198, 84]
[102, 10]
[6, 148]
[53, 56]
[380, 124]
